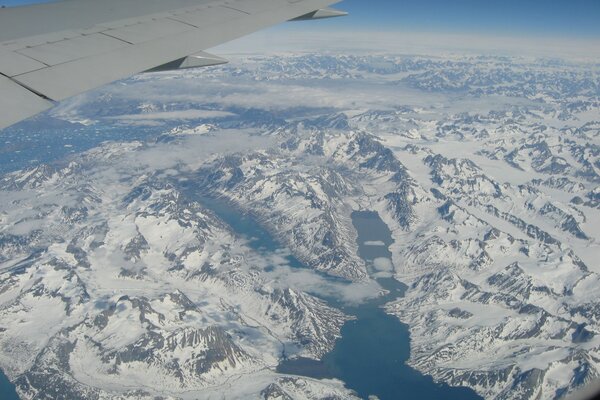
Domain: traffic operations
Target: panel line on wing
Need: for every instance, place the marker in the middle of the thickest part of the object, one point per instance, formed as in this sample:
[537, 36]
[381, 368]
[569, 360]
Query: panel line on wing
[172, 18]
[73, 49]
[235, 9]
[46, 65]
[12, 63]
[114, 37]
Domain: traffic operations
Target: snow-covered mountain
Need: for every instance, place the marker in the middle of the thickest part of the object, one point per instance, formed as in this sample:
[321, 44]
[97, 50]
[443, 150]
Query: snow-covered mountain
[120, 279]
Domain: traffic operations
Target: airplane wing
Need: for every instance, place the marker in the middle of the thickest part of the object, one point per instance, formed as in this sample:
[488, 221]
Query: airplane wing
[52, 51]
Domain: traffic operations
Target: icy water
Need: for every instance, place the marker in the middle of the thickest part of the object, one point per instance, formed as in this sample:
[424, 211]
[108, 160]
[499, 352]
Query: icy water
[27, 145]
[371, 355]
[7, 389]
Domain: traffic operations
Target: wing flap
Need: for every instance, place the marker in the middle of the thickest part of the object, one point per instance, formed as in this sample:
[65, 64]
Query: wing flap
[12, 63]
[209, 16]
[144, 32]
[80, 15]
[72, 49]
[253, 6]
[18, 103]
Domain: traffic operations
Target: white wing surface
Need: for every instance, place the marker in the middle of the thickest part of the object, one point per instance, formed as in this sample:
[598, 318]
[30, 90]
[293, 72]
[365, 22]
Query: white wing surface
[52, 51]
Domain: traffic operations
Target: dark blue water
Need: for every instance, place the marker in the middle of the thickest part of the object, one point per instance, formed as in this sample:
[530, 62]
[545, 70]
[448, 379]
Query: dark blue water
[243, 224]
[371, 355]
[7, 389]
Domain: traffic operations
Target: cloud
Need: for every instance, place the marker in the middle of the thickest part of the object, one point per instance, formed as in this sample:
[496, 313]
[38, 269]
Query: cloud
[374, 243]
[309, 281]
[278, 272]
[193, 151]
[169, 115]
[383, 267]
[222, 90]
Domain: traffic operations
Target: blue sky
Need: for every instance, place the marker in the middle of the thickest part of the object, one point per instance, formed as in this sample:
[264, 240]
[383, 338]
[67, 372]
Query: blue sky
[569, 18]
[513, 17]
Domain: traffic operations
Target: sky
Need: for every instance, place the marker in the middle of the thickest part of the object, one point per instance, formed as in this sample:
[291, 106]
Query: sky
[558, 18]
[570, 18]
[561, 29]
